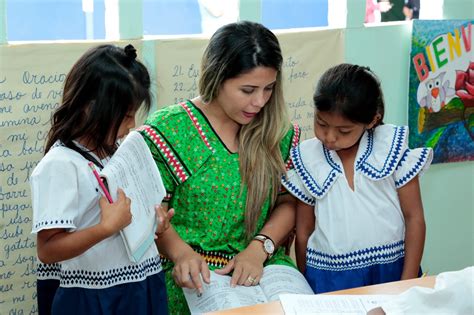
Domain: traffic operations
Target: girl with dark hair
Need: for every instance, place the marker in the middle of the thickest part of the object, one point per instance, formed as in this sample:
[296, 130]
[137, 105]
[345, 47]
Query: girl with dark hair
[221, 156]
[78, 240]
[359, 211]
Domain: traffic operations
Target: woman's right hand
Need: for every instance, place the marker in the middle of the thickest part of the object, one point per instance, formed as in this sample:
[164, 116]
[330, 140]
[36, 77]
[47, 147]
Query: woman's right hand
[115, 216]
[190, 269]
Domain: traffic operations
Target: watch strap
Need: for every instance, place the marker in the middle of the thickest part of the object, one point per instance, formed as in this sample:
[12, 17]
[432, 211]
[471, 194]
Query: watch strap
[262, 238]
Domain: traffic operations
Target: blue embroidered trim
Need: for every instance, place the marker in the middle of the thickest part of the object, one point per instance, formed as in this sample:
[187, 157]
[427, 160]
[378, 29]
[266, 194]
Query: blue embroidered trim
[327, 155]
[415, 169]
[354, 260]
[297, 192]
[370, 147]
[403, 159]
[306, 177]
[390, 162]
[100, 279]
[54, 222]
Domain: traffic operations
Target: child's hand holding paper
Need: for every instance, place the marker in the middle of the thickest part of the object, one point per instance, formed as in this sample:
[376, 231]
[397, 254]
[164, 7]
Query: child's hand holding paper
[163, 219]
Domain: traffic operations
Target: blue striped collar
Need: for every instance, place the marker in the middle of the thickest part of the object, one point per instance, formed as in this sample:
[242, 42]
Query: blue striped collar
[379, 153]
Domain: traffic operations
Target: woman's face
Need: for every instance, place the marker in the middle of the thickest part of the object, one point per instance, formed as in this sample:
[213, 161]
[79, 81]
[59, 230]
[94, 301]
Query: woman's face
[243, 97]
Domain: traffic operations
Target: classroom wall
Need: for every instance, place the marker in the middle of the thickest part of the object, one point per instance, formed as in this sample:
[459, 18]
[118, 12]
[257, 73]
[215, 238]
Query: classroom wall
[31, 89]
[447, 189]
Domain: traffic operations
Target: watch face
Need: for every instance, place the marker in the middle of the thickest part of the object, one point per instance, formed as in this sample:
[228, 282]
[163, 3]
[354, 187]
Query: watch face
[268, 245]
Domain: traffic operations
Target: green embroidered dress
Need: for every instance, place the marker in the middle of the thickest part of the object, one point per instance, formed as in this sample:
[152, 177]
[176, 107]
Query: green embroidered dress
[202, 180]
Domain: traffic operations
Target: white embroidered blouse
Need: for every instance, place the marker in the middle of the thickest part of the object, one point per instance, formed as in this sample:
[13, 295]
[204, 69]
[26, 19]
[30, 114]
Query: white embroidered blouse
[65, 194]
[352, 225]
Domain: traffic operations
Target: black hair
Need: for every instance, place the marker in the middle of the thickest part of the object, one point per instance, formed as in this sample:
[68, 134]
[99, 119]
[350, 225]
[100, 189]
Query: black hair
[352, 91]
[103, 86]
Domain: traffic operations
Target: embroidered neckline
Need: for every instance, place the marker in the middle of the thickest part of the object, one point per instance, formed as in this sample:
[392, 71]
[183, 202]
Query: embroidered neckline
[194, 108]
[309, 181]
[368, 159]
[367, 166]
[192, 116]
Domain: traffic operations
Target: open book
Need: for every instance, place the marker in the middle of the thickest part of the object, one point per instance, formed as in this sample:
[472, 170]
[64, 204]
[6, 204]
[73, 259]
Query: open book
[133, 169]
[219, 295]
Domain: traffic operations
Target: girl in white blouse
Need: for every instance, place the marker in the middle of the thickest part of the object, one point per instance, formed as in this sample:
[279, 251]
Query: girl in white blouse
[77, 230]
[360, 215]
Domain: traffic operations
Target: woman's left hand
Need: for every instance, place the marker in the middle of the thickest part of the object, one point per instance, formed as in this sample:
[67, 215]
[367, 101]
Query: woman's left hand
[247, 266]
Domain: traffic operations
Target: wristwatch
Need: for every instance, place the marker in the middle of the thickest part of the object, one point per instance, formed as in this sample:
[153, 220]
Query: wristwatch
[268, 244]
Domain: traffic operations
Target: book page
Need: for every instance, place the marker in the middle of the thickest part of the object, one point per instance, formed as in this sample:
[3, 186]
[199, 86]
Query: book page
[133, 169]
[219, 295]
[331, 304]
[279, 279]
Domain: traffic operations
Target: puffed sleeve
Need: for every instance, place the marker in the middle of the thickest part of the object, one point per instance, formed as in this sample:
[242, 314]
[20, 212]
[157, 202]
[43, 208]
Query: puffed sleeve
[413, 162]
[293, 184]
[55, 198]
[387, 155]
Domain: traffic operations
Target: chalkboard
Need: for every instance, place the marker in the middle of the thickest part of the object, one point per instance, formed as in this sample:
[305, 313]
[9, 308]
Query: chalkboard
[31, 80]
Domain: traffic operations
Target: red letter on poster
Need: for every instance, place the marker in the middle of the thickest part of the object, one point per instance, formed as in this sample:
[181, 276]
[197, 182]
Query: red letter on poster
[420, 66]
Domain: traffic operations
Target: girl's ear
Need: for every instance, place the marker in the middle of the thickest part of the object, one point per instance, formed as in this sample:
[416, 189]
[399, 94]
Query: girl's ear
[375, 121]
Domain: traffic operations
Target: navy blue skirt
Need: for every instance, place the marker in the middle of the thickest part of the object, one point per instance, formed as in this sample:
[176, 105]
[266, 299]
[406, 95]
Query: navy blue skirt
[45, 291]
[144, 297]
[322, 281]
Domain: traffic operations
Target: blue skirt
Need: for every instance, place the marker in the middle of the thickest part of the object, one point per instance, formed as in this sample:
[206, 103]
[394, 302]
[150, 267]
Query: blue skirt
[45, 291]
[323, 280]
[144, 297]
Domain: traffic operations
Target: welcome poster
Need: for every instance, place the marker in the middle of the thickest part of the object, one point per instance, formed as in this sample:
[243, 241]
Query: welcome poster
[441, 90]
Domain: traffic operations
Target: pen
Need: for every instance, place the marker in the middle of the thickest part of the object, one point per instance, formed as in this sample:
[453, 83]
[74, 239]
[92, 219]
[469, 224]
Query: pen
[101, 183]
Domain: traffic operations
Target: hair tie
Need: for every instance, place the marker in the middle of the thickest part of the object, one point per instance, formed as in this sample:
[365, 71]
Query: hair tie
[130, 52]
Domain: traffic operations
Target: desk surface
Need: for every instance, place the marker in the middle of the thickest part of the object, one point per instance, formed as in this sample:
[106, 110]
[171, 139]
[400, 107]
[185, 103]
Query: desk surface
[386, 288]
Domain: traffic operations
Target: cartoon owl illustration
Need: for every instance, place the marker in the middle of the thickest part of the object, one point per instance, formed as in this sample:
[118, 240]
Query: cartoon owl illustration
[436, 93]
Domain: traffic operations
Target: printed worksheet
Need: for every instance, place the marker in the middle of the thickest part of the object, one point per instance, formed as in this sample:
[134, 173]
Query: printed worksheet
[331, 304]
[219, 295]
[133, 169]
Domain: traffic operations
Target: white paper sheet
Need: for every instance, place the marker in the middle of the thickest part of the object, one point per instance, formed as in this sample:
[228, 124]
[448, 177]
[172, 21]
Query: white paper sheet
[133, 169]
[331, 304]
[219, 295]
[278, 279]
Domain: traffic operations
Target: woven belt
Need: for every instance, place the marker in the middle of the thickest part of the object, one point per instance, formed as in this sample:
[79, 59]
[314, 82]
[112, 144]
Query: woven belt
[212, 258]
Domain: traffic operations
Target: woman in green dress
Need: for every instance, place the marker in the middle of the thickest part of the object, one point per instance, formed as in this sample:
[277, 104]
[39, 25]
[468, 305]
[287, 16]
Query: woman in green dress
[221, 157]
